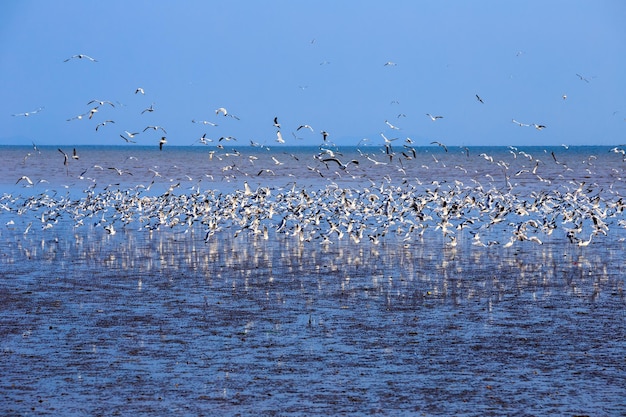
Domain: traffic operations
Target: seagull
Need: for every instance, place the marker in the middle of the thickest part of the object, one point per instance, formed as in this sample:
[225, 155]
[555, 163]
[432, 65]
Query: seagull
[204, 122]
[433, 118]
[148, 109]
[30, 113]
[519, 123]
[101, 102]
[279, 137]
[390, 64]
[130, 136]
[276, 122]
[25, 178]
[479, 99]
[65, 161]
[582, 78]
[79, 117]
[204, 140]
[341, 164]
[74, 154]
[305, 127]
[440, 144]
[162, 142]
[324, 135]
[155, 128]
[119, 171]
[139, 90]
[81, 56]
[92, 112]
[538, 127]
[225, 113]
[391, 126]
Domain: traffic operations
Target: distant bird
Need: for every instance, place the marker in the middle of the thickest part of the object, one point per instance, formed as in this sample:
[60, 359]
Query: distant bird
[204, 140]
[305, 127]
[391, 126]
[324, 135]
[204, 122]
[74, 154]
[582, 78]
[30, 113]
[155, 128]
[440, 144]
[92, 112]
[276, 122]
[224, 112]
[130, 136]
[139, 90]
[433, 118]
[519, 123]
[66, 160]
[148, 109]
[390, 64]
[79, 117]
[279, 137]
[101, 102]
[162, 142]
[564, 96]
[25, 178]
[539, 127]
[81, 56]
[99, 125]
[479, 99]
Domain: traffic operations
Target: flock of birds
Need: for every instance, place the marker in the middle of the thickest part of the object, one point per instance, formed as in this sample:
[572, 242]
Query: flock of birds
[373, 195]
[392, 202]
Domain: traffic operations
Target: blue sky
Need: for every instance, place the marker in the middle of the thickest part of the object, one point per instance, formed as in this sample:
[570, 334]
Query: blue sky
[319, 63]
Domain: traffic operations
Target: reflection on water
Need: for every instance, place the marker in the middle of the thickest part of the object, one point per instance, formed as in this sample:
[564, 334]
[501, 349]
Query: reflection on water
[141, 322]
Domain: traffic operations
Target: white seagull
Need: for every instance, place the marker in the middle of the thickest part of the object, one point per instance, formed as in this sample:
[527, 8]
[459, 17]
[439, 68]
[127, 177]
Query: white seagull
[30, 113]
[81, 56]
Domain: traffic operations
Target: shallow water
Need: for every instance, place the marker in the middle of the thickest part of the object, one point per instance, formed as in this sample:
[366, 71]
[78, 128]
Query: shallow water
[169, 321]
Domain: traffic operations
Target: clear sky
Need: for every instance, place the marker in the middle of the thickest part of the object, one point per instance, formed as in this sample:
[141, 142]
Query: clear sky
[320, 63]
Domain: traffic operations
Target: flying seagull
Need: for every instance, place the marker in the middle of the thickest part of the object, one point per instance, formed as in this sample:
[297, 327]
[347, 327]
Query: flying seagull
[433, 118]
[479, 99]
[30, 113]
[81, 56]
[162, 142]
[440, 144]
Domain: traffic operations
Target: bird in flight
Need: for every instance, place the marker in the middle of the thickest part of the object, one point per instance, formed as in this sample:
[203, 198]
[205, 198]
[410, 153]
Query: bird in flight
[391, 126]
[81, 56]
[155, 128]
[479, 99]
[390, 64]
[101, 102]
[99, 125]
[582, 78]
[162, 142]
[539, 127]
[30, 113]
[433, 118]
[130, 136]
[223, 111]
[519, 123]
[305, 127]
[204, 122]
[139, 90]
[148, 109]
[445, 148]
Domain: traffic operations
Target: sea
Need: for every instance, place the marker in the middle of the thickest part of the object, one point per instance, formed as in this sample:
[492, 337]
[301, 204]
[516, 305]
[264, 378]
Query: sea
[314, 280]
